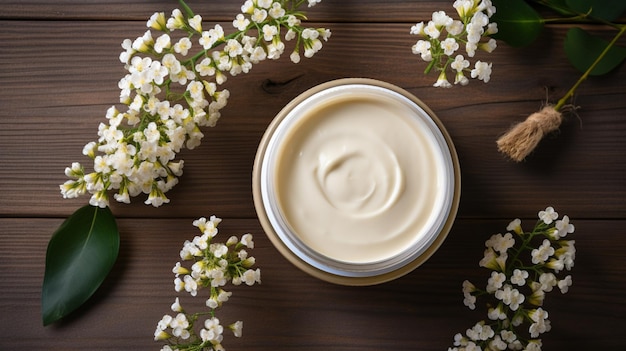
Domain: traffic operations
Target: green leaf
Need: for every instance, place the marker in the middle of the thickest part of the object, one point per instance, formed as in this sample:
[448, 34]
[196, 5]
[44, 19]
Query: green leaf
[608, 10]
[518, 23]
[80, 255]
[583, 49]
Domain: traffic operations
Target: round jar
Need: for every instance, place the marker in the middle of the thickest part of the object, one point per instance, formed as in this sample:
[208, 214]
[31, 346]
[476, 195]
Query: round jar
[356, 182]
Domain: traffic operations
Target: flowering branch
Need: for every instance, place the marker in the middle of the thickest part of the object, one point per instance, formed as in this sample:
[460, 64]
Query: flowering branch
[524, 268]
[214, 266]
[589, 54]
[472, 27]
[171, 92]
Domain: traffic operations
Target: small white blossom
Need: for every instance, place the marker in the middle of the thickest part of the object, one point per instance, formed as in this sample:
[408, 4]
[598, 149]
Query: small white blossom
[196, 23]
[237, 328]
[519, 277]
[564, 227]
[548, 215]
[445, 34]
[564, 284]
[442, 81]
[542, 253]
[495, 282]
[482, 71]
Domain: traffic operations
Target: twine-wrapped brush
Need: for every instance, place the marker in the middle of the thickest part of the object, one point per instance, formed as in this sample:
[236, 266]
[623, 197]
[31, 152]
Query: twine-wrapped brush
[523, 137]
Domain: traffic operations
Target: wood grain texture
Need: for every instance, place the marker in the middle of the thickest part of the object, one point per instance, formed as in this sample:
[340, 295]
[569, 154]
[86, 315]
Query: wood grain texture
[57, 87]
[59, 70]
[216, 10]
[290, 310]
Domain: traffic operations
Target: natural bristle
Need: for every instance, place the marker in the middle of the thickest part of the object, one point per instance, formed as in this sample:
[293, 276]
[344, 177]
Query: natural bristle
[523, 137]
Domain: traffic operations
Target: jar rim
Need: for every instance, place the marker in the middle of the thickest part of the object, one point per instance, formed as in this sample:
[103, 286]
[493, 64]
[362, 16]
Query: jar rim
[333, 270]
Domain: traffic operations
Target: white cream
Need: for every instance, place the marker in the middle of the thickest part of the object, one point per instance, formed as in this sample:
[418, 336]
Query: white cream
[359, 177]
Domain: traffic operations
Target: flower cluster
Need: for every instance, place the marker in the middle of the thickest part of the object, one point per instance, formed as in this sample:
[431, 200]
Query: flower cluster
[525, 266]
[171, 90]
[214, 265]
[443, 37]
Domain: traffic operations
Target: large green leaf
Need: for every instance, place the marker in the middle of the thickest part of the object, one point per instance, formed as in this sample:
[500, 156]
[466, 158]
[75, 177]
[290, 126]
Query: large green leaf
[80, 255]
[583, 49]
[608, 10]
[518, 23]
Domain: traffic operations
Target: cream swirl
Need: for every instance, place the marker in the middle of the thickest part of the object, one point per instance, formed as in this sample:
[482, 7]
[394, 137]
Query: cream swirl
[358, 174]
[358, 178]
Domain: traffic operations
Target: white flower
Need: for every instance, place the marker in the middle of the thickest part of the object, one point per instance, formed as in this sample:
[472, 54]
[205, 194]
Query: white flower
[277, 11]
[179, 285]
[488, 46]
[547, 281]
[431, 30]
[212, 36]
[241, 22]
[510, 296]
[463, 7]
[190, 285]
[218, 250]
[196, 23]
[313, 2]
[264, 4]
[501, 243]
[449, 46]
[564, 227]
[247, 241]
[455, 28]
[495, 282]
[183, 46]
[422, 47]
[269, 32]
[482, 71]
[542, 253]
[417, 29]
[519, 277]
[515, 226]
[541, 323]
[497, 344]
[176, 307]
[258, 15]
[469, 300]
[157, 21]
[163, 42]
[237, 328]
[459, 63]
[176, 21]
[497, 313]
[564, 284]
[441, 19]
[442, 81]
[480, 331]
[212, 330]
[251, 276]
[567, 253]
[548, 215]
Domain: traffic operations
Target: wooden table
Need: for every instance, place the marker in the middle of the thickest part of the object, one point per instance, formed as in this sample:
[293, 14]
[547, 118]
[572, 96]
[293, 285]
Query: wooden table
[59, 70]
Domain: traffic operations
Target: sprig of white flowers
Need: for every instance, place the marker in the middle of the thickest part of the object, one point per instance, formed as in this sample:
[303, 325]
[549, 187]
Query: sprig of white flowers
[524, 268]
[443, 36]
[170, 92]
[214, 265]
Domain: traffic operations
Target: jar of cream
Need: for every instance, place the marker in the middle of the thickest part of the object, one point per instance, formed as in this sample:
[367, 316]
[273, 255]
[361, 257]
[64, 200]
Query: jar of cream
[356, 182]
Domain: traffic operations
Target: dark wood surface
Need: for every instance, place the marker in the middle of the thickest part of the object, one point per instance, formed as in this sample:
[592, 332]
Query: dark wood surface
[59, 69]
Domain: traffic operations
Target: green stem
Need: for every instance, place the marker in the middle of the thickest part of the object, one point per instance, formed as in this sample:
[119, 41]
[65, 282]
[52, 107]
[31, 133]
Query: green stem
[187, 9]
[572, 90]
